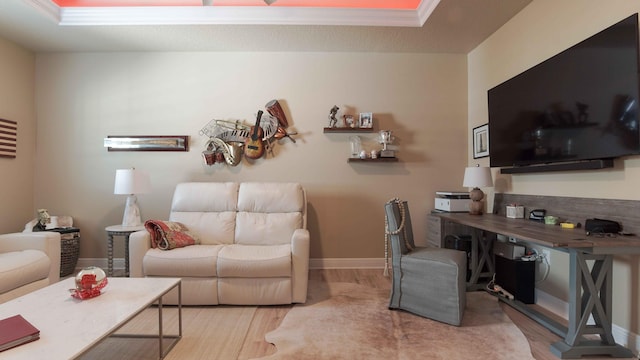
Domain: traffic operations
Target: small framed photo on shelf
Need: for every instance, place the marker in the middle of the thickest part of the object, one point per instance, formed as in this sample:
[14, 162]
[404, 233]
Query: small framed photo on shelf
[481, 141]
[366, 120]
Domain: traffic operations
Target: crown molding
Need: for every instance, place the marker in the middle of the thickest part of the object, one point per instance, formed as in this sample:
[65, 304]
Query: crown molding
[425, 9]
[47, 7]
[234, 15]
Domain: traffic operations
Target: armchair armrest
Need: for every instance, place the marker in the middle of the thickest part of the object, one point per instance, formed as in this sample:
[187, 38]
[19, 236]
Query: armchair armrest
[139, 244]
[300, 244]
[46, 241]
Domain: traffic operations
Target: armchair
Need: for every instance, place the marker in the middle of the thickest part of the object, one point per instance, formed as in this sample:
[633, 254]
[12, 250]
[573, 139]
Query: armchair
[28, 261]
[430, 282]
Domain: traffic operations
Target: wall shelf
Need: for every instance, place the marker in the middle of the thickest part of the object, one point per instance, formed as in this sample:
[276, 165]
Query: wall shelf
[373, 160]
[347, 130]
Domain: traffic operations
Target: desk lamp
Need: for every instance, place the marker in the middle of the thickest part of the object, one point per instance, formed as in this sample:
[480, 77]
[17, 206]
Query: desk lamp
[131, 182]
[476, 177]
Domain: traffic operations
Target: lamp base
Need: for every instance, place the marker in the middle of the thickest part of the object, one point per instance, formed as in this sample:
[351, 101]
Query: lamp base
[131, 215]
[475, 207]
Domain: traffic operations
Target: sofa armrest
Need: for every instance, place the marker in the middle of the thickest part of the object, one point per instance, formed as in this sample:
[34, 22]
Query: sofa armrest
[300, 243]
[139, 244]
[46, 241]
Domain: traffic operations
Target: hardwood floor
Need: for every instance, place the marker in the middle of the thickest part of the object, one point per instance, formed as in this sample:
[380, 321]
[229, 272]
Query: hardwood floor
[268, 318]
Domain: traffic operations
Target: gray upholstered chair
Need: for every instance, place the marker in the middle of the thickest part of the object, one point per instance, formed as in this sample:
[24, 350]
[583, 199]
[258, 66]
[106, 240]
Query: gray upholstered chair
[430, 282]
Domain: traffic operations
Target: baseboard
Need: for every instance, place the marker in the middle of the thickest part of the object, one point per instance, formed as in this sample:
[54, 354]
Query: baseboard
[346, 263]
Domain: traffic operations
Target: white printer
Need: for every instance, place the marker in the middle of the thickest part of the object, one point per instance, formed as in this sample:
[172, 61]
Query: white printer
[452, 201]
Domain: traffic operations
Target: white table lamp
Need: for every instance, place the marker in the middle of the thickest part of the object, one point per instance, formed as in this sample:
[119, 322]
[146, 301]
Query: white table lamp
[131, 182]
[476, 177]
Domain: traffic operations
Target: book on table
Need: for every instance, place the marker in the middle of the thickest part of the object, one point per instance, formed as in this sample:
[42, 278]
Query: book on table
[16, 330]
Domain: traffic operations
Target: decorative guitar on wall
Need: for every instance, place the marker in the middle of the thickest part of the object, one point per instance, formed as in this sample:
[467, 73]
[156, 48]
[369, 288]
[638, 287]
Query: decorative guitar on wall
[254, 147]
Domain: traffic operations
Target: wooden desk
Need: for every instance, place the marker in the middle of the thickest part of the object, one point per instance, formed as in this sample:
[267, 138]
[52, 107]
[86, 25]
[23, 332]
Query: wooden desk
[590, 287]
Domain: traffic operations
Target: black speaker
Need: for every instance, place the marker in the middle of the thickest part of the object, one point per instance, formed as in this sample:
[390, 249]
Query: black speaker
[517, 277]
[462, 243]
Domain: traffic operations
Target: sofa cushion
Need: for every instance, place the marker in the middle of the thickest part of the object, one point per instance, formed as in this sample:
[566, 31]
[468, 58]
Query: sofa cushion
[270, 197]
[205, 197]
[18, 268]
[207, 209]
[212, 228]
[266, 228]
[254, 261]
[190, 261]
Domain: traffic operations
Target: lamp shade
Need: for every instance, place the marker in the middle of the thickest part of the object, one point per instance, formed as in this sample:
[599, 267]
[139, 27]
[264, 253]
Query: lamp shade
[131, 181]
[476, 176]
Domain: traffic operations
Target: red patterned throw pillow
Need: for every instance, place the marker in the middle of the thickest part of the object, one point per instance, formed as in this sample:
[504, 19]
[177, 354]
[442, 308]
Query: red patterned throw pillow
[167, 235]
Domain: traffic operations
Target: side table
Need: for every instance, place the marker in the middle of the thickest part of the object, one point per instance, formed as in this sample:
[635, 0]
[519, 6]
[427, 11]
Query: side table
[119, 230]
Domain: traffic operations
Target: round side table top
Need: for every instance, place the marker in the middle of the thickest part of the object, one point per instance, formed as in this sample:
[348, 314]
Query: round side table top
[123, 229]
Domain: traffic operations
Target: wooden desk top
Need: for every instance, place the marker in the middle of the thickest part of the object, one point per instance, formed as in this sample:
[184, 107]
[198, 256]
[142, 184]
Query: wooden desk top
[552, 236]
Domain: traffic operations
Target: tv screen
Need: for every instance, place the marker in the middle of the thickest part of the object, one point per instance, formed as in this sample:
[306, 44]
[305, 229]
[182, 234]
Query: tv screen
[581, 104]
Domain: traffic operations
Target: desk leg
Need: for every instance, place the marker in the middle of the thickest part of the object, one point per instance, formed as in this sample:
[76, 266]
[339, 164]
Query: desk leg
[590, 294]
[109, 255]
[480, 245]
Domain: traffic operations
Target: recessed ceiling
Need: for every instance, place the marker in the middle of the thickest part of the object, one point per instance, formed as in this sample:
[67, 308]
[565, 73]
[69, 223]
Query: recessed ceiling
[433, 26]
[280, 12]
[369, 4]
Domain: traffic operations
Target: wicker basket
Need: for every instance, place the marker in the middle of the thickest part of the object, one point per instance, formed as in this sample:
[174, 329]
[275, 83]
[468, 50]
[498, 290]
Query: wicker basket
[69, 250]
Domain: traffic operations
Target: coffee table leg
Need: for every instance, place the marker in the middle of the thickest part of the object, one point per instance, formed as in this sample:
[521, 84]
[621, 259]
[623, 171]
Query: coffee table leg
[161, 350]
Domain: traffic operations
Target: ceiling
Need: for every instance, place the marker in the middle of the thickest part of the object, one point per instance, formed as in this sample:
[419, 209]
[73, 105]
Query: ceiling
[387, 4]
[409, 26]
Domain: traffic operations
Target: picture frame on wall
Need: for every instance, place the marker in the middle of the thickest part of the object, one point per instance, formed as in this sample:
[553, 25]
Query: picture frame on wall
[366, 120]
[481, 141]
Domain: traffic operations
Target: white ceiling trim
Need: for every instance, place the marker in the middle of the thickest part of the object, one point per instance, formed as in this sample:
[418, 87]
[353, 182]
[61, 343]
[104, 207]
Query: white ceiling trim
[47, 7]
[425, 9]
[240, 15]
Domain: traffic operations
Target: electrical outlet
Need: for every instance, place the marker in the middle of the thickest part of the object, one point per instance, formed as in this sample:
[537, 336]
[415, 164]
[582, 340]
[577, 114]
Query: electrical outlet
[547, 254]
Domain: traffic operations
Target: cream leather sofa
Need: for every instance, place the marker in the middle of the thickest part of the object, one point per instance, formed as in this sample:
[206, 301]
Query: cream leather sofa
[254, 244]
[28, 261]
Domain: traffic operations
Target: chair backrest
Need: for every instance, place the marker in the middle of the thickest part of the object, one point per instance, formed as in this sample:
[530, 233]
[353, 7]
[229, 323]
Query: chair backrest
[399, 237]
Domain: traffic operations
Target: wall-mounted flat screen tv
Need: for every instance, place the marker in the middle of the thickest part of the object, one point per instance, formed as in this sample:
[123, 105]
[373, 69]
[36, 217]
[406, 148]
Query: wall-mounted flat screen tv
[581, 104]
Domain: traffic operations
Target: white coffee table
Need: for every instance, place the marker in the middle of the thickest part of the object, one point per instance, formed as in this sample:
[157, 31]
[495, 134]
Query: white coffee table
[69, 327]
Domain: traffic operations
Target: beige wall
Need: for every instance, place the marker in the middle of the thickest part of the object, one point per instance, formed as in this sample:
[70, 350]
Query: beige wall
[541, 30]
[82, 98]
[17, 71]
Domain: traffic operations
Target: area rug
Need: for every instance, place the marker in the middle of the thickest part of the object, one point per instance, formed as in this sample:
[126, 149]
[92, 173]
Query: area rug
[352, 321]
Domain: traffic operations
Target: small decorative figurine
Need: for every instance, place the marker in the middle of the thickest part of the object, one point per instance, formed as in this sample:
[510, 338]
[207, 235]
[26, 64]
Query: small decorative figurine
[332, 116]
[43, 219]
[385, 138]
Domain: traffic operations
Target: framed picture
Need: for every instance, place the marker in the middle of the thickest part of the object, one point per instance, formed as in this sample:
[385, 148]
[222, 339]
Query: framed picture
[481, 141]
[147, 143]
[366, 120]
